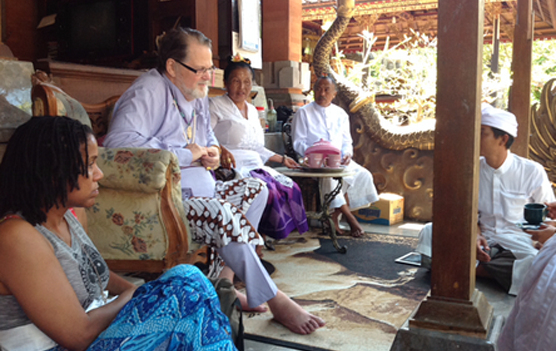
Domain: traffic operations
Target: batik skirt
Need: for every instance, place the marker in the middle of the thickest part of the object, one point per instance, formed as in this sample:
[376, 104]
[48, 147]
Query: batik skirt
[220, 220]
[178, 311]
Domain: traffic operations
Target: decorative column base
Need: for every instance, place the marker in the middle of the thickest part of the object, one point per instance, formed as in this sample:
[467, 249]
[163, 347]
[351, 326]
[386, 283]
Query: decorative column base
[471, 318]
[416, 339]
[441, 324]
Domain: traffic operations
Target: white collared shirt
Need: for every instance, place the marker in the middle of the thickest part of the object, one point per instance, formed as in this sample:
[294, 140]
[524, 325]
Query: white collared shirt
[504, 191]
[502, 194]
[313, 122]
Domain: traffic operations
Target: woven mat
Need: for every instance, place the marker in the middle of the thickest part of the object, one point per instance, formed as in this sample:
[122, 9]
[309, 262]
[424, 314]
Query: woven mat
[364, 296]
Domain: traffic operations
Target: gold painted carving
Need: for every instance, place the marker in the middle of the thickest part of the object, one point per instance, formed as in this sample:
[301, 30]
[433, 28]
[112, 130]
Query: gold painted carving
[366, 22]
[406, 172]
[399, 158]
[542, 144]
[346, 8]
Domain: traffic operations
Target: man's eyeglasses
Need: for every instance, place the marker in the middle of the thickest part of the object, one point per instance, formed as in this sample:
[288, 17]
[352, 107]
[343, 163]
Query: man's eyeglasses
[198, 72]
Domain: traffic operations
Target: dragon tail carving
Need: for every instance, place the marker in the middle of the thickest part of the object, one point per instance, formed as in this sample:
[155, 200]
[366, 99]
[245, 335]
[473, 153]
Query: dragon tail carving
[361, 104]
[542, 144]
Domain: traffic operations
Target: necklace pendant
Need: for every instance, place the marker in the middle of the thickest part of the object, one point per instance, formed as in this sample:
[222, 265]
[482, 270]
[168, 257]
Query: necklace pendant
[189, 132]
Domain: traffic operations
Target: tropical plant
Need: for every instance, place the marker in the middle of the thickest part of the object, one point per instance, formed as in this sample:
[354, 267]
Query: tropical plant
[407, 72]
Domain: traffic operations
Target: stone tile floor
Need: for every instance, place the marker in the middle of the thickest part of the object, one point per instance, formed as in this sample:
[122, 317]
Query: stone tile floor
[501, 302]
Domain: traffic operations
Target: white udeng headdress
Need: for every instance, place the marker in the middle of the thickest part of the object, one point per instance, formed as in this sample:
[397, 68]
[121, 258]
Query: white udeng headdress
[497, 118]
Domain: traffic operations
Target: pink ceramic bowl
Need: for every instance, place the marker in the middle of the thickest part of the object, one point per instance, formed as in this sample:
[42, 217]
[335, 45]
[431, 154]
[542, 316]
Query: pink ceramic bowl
[323, 147]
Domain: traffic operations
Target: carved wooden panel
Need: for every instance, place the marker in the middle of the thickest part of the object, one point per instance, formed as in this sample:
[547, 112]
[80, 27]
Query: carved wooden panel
[406, 172]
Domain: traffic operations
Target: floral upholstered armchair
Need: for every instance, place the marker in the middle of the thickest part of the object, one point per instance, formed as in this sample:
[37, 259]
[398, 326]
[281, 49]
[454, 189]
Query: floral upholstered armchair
[138, 222]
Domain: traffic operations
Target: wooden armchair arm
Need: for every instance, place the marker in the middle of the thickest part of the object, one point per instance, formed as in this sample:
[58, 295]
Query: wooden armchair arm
[49, 100]
[101, 114]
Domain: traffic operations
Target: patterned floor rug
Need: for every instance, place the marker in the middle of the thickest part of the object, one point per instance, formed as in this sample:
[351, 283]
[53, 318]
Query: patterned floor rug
[364, 296]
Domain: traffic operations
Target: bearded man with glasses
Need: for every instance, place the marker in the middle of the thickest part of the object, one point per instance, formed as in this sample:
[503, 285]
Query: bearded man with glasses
[167, 108]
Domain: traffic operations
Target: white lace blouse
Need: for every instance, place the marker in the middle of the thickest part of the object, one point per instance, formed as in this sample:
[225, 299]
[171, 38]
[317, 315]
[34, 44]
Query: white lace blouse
[243, 137]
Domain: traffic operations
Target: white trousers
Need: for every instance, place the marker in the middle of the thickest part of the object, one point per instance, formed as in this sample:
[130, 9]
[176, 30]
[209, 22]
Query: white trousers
[255, 211]
[424, 245]
[360, 188]
[245, 263]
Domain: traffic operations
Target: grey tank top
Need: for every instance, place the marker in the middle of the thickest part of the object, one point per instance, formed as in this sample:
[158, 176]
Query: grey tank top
[77, 262]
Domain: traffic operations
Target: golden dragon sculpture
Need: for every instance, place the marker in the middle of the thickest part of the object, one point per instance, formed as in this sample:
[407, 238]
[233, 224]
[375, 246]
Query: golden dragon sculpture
[542, 144]
[399, 157]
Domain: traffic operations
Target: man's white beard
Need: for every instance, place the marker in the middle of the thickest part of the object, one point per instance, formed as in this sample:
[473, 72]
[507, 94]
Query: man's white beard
[199, 93]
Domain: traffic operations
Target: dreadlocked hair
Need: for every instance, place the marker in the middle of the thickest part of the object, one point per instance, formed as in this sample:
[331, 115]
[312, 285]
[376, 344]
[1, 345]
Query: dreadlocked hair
[42, 163]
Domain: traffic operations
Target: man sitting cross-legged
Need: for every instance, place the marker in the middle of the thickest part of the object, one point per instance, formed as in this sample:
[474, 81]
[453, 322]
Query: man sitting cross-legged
[507, 182]
[167, 108]
[321, 119]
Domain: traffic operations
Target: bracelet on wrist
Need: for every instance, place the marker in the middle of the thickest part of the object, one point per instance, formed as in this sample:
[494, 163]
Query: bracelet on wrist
[284, 159]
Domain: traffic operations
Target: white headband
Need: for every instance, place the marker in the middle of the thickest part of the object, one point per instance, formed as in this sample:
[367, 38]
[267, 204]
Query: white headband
[500, 119]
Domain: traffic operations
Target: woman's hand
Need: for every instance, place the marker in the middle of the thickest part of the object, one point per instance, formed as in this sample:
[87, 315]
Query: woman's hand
[284, 160]
[290, 162]
[118, 285]
[227, 159]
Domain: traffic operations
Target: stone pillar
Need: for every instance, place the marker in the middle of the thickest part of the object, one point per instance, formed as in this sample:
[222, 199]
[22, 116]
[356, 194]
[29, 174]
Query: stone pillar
[284, 76]
[454, 307]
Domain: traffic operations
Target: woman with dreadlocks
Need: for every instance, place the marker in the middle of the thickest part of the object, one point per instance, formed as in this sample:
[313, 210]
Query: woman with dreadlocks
[52, 278]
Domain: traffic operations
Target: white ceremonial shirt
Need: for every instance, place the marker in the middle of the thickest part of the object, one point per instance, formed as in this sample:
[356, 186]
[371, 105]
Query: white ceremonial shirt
[313, 122]
[243, 137]
[502, 194]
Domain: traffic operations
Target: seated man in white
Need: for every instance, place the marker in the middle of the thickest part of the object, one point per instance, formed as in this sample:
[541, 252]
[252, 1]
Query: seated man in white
[507, 182]
[167, 108]
[321, 119]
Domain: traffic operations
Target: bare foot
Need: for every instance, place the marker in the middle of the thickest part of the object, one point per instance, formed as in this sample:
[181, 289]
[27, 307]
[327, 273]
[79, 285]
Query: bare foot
[245, 306]
[356, 228]
[336, 219]
[259, 251]
[293, 316]
[357, 233]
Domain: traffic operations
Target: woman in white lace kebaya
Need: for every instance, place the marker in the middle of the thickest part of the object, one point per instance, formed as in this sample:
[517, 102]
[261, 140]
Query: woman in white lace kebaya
[236, 125]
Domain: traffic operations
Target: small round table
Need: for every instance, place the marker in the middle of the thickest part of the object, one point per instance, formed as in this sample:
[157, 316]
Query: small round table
[324, 216]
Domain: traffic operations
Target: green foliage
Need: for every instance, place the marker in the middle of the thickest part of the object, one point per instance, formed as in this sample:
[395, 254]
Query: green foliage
[544, 66]
[408, 72]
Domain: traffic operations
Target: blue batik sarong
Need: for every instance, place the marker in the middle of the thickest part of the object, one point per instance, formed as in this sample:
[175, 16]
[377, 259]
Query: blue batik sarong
[178, 311]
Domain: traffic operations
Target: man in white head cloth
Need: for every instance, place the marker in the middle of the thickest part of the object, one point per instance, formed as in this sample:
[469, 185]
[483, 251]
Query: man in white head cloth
[507, 182]
[321, 119]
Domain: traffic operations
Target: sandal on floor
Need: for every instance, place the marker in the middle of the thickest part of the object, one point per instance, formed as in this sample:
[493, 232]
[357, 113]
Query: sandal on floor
[269, 245]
